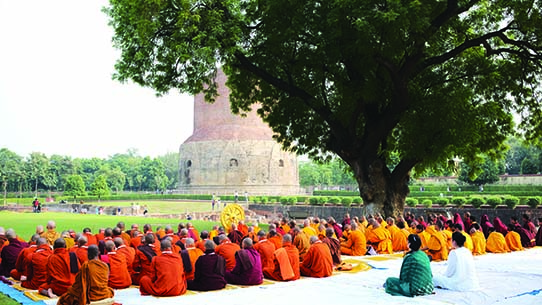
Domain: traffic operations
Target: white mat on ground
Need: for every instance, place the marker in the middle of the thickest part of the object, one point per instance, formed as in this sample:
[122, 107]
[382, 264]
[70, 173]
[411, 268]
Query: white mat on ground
[514, 278]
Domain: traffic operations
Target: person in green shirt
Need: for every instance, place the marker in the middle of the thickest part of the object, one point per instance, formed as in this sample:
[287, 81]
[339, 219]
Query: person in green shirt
[415, 277]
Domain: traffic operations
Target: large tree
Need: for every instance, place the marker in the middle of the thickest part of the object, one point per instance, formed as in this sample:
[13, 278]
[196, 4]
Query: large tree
[10, 168]
[425, 81]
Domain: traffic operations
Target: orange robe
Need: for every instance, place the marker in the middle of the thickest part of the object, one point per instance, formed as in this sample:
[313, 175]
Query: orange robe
[119, 277]
[285, 264]
[317, 261]
[37, 269]
[166, 278]
[136, 241]
[82, 254]
[302, 243]
[59, 276]
[496, 243]
[195, 233]
[99, 236]
[23, 262]
[276, 240]
[213, 234]
[266, 250]
[90, 285]
[227, 250]
[91, 239]
[243, 228]
[513, 240]
[479, 243]
[355, 245]
[380, 238]
[193, 253]
[51, 236]
[142, 264]
[174, 238]
[310, 231]
[448, 234]
[126, 238]
[398, 239]
[438, 248]
[200, 244]
[129, 254]
[424, 237]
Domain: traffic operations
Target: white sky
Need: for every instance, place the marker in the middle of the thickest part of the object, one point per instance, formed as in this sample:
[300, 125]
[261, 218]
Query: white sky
[56, 91]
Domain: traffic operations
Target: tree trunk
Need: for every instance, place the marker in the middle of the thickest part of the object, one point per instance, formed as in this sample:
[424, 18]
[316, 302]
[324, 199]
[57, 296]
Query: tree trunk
[5, 184]
[36, 187]
[382, 191]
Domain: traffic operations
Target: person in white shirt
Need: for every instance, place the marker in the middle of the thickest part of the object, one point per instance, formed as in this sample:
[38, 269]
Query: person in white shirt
[460, 274]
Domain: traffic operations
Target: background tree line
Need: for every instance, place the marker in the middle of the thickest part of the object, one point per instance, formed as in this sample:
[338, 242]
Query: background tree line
[81, 176]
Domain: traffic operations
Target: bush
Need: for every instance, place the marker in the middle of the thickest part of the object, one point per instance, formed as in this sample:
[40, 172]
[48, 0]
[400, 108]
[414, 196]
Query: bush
[334, 200]
[441, 201]
[459, 201]
[494, 201]
[533, 202]
[283, 200]
[346, 201]
[511, 201]
[427, 203]
[357, 200]
[322, 200]
[411, 202]
[313, 201]
[476, 201]
[264, 200]
[292, 200]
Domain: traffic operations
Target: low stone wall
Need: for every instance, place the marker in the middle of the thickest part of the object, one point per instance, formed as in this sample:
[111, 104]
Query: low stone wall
[273, 211]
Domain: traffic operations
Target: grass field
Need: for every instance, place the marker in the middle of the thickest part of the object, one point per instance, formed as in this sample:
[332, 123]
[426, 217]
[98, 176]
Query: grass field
[5, 300]
[25, 224]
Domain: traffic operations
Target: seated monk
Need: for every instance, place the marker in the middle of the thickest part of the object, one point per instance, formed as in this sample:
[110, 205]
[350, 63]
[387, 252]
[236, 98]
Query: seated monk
[356, 244]
[398, 235]
[468, 240]
[318, 261]
[193, 254]
[309, 231]
[23, 260]
[513, 239]
[91, 239]
[334, 245]
[210, 270]
[274, 236]
[143, 258]
[379, 238]
[129, 254]
[478, 240]
[227, 250]
[51, 235]
[81, 249]
[10, 253]
[495, 242]
[437, 246]
[37, 268]
[235, 236]
[119, 277]
[301, 242]
[265, 248]
[61, 270]
[248, 266]
[204, 236]
[285, 262]
[90, 283]
[166, 276]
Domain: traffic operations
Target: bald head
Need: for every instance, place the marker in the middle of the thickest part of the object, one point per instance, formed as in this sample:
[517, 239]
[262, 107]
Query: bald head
[41, 241]
[189, 242]
[109, 246]
[59, 243]
[247, 243]
[51, 225]
[287, 238]
[82, 241]
[313, 239]
[118, 241]
[10, 234]
[209, 245]
[165, 244]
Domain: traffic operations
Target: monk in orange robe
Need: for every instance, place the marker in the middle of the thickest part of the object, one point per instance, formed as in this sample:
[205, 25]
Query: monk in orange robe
[91, 239]
[143, 258]
[23, 260]
[100, 235]
[513, 241]
[129, 255]
[169, 233]
[213, 233]
[227, 250]
[266, 250]
[379, 238]
[137, 239]
[318, 261]
[61, 270]
[243, 228]
[437, 246]
[204, 236]
[285, 262]
[125, 236]
[119, 277]
[308, 230]
[167, 276]
[478, 240]
[274, 237]
[355, 244]
[424, 236]
[90, 283]
[301, 242]
[193, 254]
[398, 237]
[468, 239]
[37, 268]
[496, 243]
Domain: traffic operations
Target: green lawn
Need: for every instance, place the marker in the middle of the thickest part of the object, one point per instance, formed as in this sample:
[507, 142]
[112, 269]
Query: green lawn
[5, 300]
[25, 224]
[162, 207]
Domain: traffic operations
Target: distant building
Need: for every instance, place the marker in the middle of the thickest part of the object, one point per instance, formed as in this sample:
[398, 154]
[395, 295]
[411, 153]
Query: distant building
[228, 153]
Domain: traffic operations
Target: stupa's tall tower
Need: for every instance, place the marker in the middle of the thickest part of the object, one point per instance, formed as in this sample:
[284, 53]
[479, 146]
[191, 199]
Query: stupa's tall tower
[228, 153]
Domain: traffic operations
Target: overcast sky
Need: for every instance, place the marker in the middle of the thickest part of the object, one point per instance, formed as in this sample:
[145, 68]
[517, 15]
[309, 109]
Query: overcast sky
[56, 91]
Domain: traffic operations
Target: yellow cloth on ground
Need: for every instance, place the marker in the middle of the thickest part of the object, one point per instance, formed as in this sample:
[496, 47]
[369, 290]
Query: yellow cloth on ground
[34, 295]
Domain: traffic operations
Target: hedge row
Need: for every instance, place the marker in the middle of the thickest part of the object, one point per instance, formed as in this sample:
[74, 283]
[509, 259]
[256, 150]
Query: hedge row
[477, 201]
[418, 194]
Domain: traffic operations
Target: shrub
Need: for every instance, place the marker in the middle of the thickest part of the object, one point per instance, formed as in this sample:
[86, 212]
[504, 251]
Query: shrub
[441, 201]
[313, 201]
[411, 202]
[533, 202]
[511, 201]
[264, 200]
[283, 200]
[292, 200]
[494, 201]
[357, 200]
[427, 203]
[476, 201]
[346, 201]
[334, 200]
[459, 201]
[322, 200]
